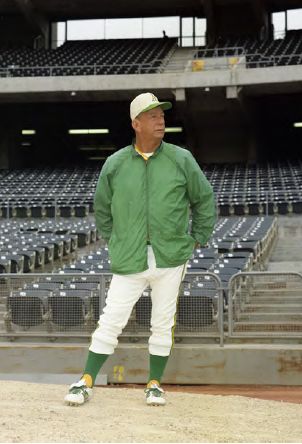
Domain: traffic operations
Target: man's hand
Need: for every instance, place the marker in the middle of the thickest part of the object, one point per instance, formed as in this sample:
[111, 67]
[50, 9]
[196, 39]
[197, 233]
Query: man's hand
[198, 245]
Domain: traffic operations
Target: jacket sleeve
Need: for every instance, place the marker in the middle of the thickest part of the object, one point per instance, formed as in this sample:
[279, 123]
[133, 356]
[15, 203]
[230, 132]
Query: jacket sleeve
[102, 204]
[202, 202]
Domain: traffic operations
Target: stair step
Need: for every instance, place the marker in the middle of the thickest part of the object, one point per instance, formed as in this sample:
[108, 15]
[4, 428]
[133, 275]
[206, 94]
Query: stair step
[266, 327]
[276, 300]
[271, 317]
[276, 291]
[277, 308]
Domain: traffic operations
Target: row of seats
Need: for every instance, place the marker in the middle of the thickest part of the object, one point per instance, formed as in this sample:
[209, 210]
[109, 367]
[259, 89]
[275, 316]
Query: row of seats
[28, 245]
[48, 192]
[257, 189]
[68, 305]
[64, 304]
[92, 57]
[258, 53]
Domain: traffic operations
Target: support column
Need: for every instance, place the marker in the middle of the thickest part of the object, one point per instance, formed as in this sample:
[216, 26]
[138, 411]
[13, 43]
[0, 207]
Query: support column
[10, 156]
[36, 21]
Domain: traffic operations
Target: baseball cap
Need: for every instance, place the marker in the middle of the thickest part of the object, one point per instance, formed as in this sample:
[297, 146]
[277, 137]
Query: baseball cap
[144, 102]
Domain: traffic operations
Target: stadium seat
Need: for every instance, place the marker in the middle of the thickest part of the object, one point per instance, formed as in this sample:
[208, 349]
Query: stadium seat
[195, 308]
[69, 307]
[27, 308]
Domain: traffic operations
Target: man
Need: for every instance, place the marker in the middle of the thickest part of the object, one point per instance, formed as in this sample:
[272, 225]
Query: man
[142, 203]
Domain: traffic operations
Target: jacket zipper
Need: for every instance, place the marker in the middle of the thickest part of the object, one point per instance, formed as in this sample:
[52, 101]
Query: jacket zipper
[147, 202]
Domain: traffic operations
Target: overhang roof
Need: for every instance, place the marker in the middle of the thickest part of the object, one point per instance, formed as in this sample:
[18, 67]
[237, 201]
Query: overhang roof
[57, 10]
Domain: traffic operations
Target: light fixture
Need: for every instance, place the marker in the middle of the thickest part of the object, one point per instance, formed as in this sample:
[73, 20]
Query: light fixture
[173, 129]
[89, 131]
[97, 158]
[28, 132]
[26, 144]
[298, 124]
[96, 148]
[98, 131]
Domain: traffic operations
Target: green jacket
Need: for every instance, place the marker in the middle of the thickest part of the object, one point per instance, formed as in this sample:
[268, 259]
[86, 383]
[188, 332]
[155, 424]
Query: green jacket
[138, 201]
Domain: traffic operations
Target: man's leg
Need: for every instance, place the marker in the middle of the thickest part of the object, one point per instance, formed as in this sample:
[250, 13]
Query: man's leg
[165, 290]
[123, 293]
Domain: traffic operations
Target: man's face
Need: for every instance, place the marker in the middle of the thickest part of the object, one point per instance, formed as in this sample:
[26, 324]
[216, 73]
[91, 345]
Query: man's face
[150, 124]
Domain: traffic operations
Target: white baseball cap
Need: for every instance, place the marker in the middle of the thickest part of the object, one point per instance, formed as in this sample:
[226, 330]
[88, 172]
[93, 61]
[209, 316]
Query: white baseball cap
[144, 102]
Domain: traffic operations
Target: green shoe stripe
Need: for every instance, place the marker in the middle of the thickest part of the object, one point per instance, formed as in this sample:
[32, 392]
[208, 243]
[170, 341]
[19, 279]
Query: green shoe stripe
[153, 391]
[79, 390]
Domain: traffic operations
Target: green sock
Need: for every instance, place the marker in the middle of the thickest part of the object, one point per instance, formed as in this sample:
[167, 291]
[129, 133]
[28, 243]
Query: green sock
[157, 367]
[93, 364]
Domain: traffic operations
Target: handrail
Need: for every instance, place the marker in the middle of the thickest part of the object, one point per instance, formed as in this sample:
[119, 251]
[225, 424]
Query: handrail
[218, 49]
[232, 295]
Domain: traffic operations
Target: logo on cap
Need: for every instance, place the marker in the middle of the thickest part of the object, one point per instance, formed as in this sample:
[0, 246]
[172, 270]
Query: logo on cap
[154, 98]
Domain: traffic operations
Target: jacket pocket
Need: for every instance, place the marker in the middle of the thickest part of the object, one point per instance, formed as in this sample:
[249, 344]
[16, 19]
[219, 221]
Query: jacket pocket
[175, 248]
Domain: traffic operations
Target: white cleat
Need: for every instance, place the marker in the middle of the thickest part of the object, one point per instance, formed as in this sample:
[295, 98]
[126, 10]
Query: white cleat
[155, 395]
[78, 394]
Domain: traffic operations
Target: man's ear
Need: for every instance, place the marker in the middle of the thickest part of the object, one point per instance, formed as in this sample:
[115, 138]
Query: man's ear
[135, 124]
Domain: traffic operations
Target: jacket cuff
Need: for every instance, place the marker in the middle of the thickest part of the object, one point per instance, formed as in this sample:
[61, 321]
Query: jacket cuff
[199, 240]
[106, 236]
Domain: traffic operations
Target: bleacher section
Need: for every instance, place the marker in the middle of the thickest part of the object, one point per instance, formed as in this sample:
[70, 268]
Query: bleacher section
[72, 297]
[257, 189]
[47, 193]
[286, 51]
[27, 245]
[139, 56]
[240, 190]
[92, 57]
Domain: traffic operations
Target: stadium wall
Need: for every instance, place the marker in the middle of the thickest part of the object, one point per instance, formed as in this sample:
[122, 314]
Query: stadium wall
[275, 364]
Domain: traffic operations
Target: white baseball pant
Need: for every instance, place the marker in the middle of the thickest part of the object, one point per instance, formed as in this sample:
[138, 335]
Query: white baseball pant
[124, 292]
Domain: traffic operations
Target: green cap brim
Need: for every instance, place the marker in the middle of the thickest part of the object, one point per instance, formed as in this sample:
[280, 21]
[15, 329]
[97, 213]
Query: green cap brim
[162, 105]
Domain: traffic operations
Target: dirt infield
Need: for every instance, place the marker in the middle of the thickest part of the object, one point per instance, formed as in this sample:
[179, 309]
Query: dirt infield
[35, 413]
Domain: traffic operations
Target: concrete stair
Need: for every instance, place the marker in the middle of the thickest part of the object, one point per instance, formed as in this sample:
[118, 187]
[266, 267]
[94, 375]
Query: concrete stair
[264, 327]
[270, 310]
[180, 60]
[271, 317]
[274, 308]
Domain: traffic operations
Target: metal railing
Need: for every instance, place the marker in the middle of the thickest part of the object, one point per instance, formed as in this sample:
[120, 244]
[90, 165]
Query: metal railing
[265, 304]
[69, 305]
[53, 306]
[221, 52]
[85, 69]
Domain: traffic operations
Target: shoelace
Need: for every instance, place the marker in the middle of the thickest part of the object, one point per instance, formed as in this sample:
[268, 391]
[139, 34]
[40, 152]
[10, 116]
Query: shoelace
[156, 391]
[76, 390]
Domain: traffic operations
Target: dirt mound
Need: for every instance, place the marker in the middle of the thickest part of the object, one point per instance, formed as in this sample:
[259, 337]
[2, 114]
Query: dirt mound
[36, 413]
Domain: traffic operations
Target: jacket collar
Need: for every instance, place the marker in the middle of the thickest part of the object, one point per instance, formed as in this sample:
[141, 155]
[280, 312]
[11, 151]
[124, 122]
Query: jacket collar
[156, 152]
